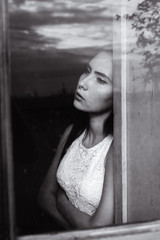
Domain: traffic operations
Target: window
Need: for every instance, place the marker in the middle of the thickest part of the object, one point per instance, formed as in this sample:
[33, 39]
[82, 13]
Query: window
[131, 184]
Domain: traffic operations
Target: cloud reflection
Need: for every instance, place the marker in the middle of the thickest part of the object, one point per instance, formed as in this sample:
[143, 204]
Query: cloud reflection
[51, 41]
[75, 35]
[74, 24]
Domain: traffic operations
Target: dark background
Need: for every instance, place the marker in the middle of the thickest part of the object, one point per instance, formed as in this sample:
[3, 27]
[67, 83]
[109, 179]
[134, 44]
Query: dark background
[37, 126]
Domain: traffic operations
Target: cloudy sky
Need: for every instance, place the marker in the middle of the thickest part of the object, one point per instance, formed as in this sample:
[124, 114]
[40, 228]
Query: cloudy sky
[52, 40]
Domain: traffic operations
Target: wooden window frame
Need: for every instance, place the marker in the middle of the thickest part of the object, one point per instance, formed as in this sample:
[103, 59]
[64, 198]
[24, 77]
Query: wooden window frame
[6, 166]
[150, 230]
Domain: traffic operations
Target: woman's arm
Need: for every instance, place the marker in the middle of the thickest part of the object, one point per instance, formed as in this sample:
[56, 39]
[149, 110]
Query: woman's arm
[47, 194]
[76, 218]
[104, 214]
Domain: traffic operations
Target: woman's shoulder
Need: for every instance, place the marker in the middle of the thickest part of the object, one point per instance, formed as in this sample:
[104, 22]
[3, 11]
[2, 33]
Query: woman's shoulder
[110, 154]
[67, 131]
[62, 142]
[111, 148]
[66, 134]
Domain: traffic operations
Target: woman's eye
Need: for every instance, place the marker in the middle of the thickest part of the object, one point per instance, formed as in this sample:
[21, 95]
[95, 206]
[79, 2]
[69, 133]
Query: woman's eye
[101, 81]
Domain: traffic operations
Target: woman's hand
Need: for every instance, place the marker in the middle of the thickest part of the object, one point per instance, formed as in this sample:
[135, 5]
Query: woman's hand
[63, 202]
[62, 199]
[76, 218]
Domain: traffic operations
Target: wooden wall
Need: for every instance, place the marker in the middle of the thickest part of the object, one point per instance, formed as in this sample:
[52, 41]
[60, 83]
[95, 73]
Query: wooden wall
[143, 124]
[143, 133]
[137, 126]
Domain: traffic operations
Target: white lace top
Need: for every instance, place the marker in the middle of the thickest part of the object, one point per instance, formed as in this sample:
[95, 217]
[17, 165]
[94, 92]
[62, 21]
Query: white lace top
[81, 173]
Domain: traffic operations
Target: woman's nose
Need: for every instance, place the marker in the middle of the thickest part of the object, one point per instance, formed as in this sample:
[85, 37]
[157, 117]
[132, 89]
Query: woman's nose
[83, 84]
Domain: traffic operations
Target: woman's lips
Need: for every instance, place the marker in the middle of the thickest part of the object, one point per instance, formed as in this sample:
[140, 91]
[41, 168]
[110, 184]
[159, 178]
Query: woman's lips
[78, 96]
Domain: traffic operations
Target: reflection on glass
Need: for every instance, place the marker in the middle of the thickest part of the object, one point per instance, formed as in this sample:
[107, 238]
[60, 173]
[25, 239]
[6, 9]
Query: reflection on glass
[51, 45]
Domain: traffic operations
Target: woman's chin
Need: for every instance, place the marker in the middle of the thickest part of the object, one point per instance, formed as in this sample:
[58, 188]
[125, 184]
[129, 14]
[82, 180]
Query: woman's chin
[78, 105]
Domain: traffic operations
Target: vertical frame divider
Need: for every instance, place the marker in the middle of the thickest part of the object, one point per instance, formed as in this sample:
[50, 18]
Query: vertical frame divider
[124, 110]
[6, 164]
[120, 114]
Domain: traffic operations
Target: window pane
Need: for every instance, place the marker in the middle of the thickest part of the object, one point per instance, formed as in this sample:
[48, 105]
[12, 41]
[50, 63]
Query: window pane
[51, 43]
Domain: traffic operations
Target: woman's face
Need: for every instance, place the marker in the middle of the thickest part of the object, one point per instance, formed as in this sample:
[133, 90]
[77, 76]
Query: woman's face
[94, 89]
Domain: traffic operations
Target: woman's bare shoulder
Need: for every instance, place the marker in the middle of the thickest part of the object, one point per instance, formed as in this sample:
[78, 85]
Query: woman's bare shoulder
[68, 130]
[66, 134]
[64, 137]
[109, 156]
[111, 147]
[60, 147]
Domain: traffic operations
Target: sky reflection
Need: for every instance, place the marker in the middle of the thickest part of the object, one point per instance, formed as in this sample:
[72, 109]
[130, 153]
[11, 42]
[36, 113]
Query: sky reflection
[56, 34]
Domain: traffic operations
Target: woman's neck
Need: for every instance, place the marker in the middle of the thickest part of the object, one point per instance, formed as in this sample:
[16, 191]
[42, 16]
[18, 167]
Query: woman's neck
[95, 132]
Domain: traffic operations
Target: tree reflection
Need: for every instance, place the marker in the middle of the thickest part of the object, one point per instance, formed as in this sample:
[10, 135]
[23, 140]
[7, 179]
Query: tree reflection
[146, 22]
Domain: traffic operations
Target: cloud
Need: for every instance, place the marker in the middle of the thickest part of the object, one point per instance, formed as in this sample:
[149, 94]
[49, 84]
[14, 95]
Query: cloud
[59, 23]
[75, 35]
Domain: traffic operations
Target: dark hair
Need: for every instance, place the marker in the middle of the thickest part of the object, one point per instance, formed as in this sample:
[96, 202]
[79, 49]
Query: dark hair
[80, 123]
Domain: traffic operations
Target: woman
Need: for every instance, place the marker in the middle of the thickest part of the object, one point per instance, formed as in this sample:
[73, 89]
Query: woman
[78, 189]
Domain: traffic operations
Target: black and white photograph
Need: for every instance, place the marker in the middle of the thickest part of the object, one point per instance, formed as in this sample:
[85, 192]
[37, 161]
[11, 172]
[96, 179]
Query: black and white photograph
[80, 119]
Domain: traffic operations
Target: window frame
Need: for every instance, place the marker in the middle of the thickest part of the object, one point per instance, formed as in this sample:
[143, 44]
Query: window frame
[130, 231]
[5, 125]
